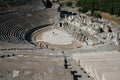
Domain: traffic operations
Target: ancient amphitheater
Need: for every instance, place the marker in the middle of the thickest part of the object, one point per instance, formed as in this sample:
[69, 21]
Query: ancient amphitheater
[38, 42]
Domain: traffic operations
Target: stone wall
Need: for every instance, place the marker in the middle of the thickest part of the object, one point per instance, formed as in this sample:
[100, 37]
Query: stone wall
[88, 29]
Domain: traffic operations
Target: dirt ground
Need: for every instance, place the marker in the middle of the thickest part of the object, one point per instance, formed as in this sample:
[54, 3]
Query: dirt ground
[110, 17]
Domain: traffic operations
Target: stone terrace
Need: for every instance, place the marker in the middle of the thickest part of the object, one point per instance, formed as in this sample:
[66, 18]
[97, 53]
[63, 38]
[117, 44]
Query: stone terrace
[33, 65]
[100, 65]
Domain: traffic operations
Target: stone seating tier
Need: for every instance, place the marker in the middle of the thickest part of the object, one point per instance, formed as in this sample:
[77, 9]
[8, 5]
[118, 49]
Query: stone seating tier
[100, 63]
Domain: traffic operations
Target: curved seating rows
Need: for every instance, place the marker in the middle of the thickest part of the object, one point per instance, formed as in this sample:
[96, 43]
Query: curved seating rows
[14, 26]
[11, 33]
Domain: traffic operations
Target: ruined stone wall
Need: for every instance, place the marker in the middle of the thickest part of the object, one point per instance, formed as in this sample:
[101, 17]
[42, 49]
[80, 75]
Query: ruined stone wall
[87, 29]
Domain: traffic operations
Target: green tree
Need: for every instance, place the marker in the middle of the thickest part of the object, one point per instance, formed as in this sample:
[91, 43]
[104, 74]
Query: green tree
[69, 4]
[83, 10]
[112, 10]
[97, 15]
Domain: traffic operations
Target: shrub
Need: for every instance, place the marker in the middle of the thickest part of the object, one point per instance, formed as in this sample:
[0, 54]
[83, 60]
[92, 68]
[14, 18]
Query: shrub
[69, 4]
[83, 10]
[80, 9]
[97, 15]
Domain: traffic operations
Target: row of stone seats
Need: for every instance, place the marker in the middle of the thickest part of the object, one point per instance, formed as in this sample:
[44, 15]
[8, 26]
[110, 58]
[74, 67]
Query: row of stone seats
[14, 46]
[100, 65]
[11, 33]
[33, 65]
[20, 3]
[14, 26]
[39, 17]
[4, 56]
[89, 49]
[31, 51]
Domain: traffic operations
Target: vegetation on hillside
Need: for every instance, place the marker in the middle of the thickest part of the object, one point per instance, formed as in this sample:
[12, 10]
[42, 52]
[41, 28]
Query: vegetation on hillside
[110, 6]
[83, 9]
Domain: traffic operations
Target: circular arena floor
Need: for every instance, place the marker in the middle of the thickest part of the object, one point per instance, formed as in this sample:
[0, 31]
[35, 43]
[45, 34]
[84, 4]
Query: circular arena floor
[58, 37]
[55, 39]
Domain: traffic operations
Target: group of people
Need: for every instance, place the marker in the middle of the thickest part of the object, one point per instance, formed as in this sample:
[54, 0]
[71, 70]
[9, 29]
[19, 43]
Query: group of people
[42, 45]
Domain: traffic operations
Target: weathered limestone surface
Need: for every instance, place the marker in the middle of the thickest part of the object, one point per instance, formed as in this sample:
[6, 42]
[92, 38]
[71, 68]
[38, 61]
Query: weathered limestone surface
[33, 65]
[111, 76]
[100, 65]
